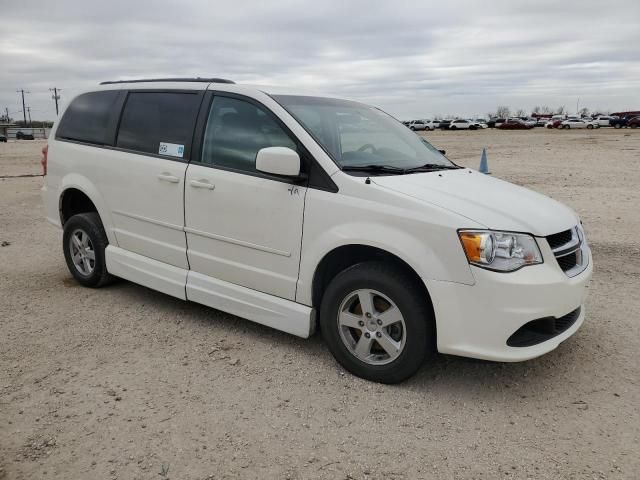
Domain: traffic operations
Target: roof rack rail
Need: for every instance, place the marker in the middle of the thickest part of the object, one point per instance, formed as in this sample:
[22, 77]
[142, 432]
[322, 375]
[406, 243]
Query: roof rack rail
[196, 79]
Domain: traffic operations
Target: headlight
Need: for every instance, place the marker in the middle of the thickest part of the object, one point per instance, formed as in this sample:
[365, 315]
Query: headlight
[502, 251]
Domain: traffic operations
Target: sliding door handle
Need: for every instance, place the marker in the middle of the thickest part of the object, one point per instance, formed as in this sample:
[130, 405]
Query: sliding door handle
[167, 177]
[202, 184]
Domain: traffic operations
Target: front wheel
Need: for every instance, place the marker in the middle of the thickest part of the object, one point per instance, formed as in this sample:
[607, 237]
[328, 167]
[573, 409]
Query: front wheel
[590, 127]
[376, 323]
[84, 242]
[633, 126]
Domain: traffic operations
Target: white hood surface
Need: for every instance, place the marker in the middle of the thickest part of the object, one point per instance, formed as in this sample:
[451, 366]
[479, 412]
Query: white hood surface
[494, 203]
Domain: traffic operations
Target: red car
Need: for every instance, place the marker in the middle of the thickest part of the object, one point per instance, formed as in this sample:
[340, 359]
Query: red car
[514, 124]
[634, 122]
[554, 123]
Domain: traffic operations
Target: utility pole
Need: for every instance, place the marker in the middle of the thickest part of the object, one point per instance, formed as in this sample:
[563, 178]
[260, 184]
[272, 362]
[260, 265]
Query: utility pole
[29, 112]
[55, 96]
[6, 111]
[24, 110]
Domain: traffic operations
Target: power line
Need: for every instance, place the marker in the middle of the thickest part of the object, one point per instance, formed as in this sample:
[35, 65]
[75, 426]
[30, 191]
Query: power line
[55, 96]
[24, 110]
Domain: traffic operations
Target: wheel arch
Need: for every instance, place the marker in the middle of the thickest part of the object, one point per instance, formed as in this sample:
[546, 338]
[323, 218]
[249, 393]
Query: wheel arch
[78, 195]
[345, 256]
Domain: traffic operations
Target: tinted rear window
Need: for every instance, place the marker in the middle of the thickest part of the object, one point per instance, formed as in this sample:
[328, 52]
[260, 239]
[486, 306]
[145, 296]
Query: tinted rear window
[87, 118]
[159, 122]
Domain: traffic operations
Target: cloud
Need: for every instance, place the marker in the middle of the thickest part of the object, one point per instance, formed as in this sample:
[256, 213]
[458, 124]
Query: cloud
[413, 59]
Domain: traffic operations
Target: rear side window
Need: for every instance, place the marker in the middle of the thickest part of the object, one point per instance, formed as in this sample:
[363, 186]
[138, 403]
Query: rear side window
[160, 123]
[87, 118]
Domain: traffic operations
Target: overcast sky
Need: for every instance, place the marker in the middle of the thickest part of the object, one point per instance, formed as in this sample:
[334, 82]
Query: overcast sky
[413, 59]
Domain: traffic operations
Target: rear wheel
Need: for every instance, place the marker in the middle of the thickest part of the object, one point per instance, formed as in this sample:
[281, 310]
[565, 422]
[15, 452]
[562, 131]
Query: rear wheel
[84, 242]
[590, 127]
[375, 322]
[634, 125]
[617, 125]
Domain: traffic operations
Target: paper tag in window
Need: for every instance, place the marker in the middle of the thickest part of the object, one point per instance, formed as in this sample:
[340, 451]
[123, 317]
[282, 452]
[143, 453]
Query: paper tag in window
[171, 149]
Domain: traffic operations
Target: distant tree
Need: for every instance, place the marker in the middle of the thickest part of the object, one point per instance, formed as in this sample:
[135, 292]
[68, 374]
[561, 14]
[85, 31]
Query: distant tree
[503, 111]
[521, 112]
[584, 112]
[536, 110]
[561, 110]
[546, 110]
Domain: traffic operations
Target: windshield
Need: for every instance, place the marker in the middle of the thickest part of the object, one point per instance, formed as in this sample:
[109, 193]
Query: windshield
[358, 135]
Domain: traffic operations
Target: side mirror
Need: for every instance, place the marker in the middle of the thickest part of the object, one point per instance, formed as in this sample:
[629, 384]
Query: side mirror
[278, 161]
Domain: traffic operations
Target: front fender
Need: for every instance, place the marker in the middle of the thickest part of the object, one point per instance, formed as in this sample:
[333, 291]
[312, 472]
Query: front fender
[427, 243]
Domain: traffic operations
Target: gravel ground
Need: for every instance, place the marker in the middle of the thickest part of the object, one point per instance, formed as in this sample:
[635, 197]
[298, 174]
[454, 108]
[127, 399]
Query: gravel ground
[126, 383]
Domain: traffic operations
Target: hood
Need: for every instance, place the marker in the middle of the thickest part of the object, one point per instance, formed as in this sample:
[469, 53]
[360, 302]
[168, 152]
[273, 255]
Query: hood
[494, 203]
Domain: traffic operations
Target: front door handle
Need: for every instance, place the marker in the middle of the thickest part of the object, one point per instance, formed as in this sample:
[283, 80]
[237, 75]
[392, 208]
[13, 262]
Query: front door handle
[167, 177]
[202, 184]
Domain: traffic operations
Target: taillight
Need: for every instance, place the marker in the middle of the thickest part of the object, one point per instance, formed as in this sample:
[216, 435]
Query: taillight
[43, 162]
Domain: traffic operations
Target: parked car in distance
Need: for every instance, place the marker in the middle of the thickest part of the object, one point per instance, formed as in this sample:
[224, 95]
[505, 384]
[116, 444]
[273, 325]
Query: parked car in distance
[554, 123]
[620, 122]
[417, 125]
[461, 124]
[531, 122]
[223, 180]
[431, 124]
[480, 123]
[579, 123]
[495, 122]
[3, 139]
[444, 124]
[542, 121]
[20, 135]
[603, 120]
[634, 122]
[514, 124]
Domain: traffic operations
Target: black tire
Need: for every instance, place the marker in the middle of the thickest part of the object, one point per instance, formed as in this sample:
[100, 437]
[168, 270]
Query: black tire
[590, 127]
[633, 125]
[90, 224]
[617, 125]
[415, 309]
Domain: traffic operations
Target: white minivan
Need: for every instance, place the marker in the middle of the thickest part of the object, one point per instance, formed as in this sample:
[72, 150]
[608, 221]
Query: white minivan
[305, 213]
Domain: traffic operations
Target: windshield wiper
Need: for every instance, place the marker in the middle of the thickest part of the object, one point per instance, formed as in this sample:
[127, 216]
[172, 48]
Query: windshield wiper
[428, 167]
[374, 169]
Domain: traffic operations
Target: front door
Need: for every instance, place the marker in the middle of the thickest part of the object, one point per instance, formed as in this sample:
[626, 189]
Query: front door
[242, 226]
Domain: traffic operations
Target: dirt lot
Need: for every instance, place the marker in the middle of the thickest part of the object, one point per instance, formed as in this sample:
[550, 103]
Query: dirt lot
[127, 383]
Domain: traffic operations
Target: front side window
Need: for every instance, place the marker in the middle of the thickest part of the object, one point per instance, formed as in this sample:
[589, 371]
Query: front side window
[160, 123]
[87, 118]
[358, 135]
[236, 130]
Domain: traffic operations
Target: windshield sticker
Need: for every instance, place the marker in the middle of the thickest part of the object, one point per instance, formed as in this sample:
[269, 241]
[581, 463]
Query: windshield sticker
[171, 149]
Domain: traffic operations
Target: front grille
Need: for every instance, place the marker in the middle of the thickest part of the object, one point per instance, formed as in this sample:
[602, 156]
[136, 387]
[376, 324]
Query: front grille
[568, 261]
[570, 250]
[543, 329]
[559, 239]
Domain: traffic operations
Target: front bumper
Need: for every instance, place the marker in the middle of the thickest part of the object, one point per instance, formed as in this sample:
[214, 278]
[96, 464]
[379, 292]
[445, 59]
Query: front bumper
[477, 320]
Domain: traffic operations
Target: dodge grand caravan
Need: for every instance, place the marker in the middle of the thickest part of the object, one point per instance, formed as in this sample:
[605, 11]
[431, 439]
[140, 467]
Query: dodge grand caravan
[305, 213]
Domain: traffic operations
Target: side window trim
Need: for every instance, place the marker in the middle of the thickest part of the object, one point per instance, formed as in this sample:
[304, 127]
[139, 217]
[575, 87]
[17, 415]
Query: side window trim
[315, 176]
